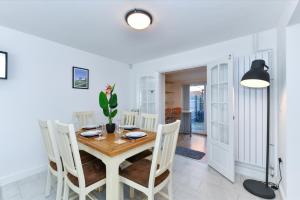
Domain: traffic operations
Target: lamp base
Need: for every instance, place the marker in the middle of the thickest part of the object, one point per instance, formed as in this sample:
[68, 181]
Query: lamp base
[259, 189]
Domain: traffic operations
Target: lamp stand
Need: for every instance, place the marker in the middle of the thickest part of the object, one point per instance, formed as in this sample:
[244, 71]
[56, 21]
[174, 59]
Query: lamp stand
[258, 188]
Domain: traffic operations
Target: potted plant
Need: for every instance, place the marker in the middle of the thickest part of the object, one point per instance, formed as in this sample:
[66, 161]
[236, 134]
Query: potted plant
[108, 101]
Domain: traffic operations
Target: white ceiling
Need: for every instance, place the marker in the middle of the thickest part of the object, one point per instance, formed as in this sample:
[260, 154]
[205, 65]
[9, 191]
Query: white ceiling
[98, 26]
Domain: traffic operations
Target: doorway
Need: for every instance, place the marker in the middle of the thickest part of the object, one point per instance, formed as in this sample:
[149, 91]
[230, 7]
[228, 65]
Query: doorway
[185, 98]
[220, 117]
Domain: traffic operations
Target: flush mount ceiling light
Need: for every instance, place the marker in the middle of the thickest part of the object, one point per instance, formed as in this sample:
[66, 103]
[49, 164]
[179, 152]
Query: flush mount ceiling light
[138, 19]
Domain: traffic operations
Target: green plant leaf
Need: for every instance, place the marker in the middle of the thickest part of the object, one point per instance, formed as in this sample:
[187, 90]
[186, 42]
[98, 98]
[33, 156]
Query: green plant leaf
[113, 101]
[103, 101]
[106, 112]
[113, 113]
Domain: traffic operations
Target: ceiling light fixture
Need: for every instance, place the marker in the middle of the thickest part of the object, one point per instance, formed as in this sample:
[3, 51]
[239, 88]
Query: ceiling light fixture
[138, 19]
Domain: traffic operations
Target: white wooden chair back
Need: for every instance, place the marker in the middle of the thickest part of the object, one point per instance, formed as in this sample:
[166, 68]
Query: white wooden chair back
[164, 150]
[129, 118]
[148, 122]
[84, 118]
[69, 151]
[48, 134]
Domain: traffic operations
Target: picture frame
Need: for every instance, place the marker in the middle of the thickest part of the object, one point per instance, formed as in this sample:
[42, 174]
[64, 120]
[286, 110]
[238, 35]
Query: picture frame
[80, 78]
[3, 65]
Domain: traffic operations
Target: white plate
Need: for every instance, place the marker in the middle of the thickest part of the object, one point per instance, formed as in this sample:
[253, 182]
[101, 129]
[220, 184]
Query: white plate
[90, 133]
[128, 126]
[135, 134]
[90, 126]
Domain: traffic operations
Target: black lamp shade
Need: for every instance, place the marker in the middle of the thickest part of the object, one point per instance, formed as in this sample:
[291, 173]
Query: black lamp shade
[257, 76]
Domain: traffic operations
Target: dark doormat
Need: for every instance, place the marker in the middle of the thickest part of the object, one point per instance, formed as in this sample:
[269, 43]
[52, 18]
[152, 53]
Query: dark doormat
[183, 151]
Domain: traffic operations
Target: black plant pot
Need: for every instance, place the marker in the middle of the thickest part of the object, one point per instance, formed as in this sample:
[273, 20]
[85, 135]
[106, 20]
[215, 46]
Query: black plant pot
[110, 128]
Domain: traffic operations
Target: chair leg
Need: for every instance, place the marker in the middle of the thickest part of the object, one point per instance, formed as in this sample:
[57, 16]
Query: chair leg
[82, 197]
[151, 197]
[121, 191]
[59, 187]
[131, 193]
[170, 189]
[66, 191]
[48, 183]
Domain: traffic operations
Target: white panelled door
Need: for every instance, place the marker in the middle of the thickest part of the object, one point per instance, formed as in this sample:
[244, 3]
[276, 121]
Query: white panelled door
[220, 116]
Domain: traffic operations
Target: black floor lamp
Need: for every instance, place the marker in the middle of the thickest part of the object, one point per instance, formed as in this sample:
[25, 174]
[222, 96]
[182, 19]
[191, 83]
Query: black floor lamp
[258, 77]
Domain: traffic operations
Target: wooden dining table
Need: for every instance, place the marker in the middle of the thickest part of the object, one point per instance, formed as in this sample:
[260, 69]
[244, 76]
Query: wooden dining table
[113, 152]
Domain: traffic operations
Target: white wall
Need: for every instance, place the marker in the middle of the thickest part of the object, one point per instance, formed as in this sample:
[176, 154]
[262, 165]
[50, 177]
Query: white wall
[282, 106]
[293, 110]
[202, 56]
[39, 86]
[173, 95]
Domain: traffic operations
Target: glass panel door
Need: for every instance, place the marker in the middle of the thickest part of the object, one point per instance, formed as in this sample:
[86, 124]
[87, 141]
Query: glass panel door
[220, 117]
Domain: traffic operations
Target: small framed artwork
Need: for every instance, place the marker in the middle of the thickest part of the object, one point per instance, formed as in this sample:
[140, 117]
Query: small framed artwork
[80, 78]
[3, 65]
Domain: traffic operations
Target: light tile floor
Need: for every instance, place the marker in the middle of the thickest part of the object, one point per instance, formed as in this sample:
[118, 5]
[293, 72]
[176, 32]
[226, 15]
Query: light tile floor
[193, 180]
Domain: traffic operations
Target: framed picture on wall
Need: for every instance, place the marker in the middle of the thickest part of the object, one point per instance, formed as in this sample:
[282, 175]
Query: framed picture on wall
[80, 78]
[3, 65]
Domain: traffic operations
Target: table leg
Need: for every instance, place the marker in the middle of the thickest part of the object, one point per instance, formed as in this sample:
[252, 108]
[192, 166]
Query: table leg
[112, 180]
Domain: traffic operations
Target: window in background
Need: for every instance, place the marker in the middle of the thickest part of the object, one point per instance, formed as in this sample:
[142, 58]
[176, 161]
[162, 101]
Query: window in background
[197, 107]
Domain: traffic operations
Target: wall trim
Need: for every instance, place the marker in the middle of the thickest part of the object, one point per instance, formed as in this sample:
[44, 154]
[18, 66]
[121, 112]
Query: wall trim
[21, 175]
[250, 171]
[282, 193]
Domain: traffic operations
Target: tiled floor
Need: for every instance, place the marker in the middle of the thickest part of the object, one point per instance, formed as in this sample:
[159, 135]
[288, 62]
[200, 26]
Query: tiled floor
[193, 180]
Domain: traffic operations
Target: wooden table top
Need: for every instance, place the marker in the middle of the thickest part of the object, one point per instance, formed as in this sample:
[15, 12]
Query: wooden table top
[108, 146]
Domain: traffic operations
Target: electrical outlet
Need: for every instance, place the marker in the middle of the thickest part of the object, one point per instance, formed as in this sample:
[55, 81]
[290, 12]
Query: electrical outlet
[280, 160]
[272, 171]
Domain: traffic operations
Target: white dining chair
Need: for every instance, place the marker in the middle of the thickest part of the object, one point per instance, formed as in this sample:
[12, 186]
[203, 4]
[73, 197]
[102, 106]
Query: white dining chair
[150, 177]
[148, 122]
[81, 178]
[54, 165]
[84, 118]
[129, 118]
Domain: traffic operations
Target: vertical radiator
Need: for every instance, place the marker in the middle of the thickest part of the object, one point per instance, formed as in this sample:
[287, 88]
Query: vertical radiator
[251, 115]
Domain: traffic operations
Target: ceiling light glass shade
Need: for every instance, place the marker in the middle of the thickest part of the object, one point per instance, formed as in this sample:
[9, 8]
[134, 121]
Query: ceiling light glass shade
[257, 76]
[138, 19]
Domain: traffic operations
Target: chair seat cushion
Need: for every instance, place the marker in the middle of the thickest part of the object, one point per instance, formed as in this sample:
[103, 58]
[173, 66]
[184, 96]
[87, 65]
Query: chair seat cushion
[93, 171]
[139, 156]
[53, 165]
[139, 172]
[84, 156]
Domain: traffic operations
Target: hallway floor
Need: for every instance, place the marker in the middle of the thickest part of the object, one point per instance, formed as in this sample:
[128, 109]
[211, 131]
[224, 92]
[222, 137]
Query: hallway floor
[196, 142]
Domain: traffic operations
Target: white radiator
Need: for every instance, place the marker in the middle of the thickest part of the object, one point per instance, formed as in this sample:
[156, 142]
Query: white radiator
[251, 115]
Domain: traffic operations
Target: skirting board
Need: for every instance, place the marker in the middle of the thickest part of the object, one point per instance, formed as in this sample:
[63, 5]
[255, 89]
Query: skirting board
[21, 175]
[251, 171]
[282, 194]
